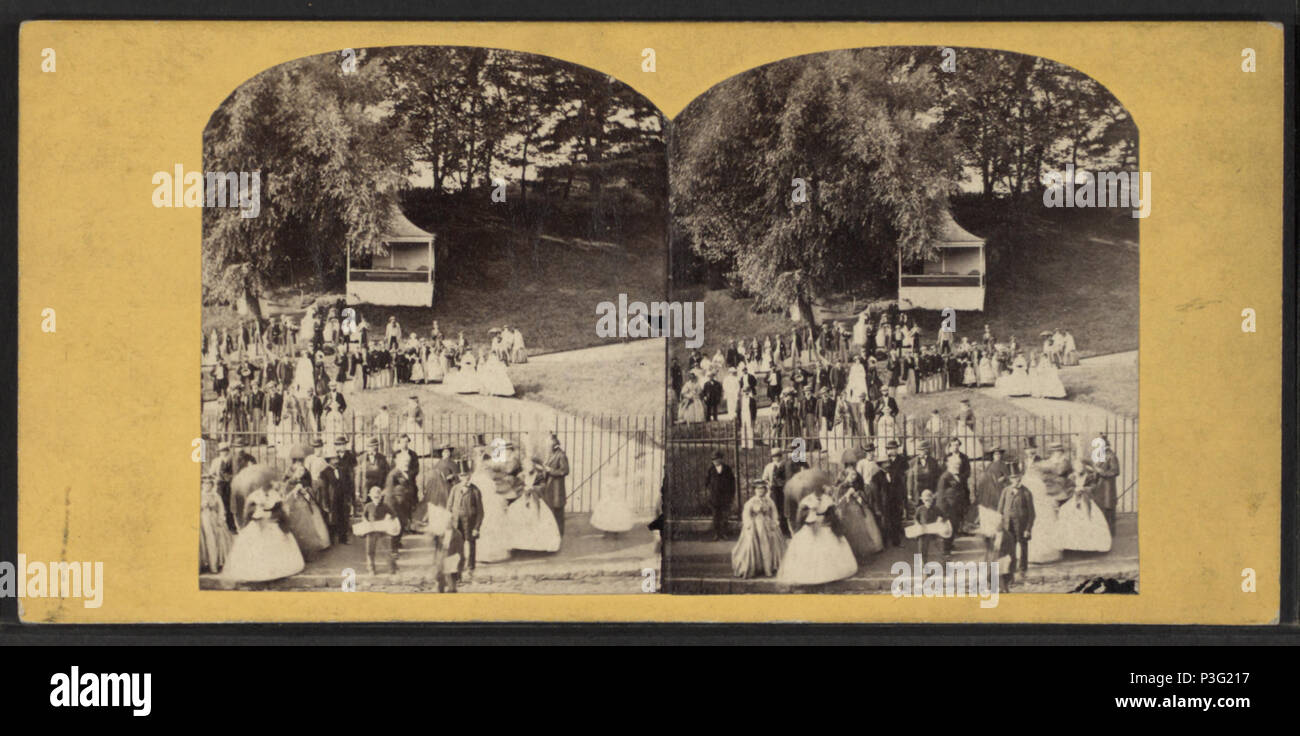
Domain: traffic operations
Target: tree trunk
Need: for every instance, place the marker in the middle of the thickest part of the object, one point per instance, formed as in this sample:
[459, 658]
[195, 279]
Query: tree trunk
[248, 304]
[801, 310]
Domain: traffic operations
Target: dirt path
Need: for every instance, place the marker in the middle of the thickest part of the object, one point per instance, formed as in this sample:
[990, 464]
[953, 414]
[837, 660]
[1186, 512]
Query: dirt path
[1124, 358]
[1086, 417]
[629, 350]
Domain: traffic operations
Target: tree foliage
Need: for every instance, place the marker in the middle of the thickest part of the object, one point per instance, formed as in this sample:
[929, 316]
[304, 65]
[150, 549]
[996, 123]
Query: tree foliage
[852, 125]
[1015, 116]
[335, 147]
[331, 160]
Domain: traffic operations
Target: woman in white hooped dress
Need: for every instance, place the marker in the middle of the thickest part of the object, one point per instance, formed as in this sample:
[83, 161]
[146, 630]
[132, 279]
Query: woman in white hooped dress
[691, 406]
[464, 380]
[984, 370]
[766, 361]
[1081, 525]
[263, 550]
[434, 364]
[494, 538]
[1046, 379]
[532, 523]
[1044, 540]
[416, 357]
[1017, 382]
[493, 379]
[611, 514]
[969, 376]
[818, 553]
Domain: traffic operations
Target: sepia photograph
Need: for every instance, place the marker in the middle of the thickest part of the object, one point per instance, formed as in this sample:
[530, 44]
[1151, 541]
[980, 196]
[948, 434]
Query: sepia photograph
[920, 270]
[403, 387]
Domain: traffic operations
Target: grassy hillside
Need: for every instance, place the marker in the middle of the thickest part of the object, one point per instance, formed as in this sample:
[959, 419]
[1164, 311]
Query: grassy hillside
[1077, 271]
[543, 269]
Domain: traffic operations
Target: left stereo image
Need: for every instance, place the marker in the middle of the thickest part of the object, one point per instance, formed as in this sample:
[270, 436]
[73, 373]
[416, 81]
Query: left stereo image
[412, 257]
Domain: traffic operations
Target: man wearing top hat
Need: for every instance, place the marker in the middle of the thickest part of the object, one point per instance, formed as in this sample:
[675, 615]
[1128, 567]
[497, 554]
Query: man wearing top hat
[556, 469]
[333, 490]
[895, 470]
[720, 483]
[346, 470]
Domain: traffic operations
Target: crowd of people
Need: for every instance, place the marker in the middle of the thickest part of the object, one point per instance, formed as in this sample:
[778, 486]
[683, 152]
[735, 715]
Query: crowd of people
[481, 507]
[807, 526]
[841, 382]
[280, 381]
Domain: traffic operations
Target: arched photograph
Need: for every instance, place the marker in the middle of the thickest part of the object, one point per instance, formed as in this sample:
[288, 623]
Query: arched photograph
[920, 269]
[401, 371]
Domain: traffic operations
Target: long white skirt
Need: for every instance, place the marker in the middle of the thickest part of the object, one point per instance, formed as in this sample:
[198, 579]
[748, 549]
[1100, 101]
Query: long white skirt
[1016, 384]
[1082, 526]
[532, 526]
[263, 551]
[1044, 540]
[494, 380]
[611, 515]
[462, 381]
[494, 535]
[1047, 383]
[816, 555]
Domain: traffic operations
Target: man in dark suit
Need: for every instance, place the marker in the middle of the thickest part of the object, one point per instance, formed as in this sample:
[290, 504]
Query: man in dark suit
[951, 498]
[1017, 509]
[408, 462]
[676, 373]
[923, 473]
[336, 484]
[1104, 494]
[733, 355]
[774, 475]
[372, 470]
[556, 467]
[895, 469]
[712, 395]
[465, 503]
[720, 483]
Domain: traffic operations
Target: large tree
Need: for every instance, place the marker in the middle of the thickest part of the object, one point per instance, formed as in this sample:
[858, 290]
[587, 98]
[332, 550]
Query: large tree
[331, 157]
[856, 128]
